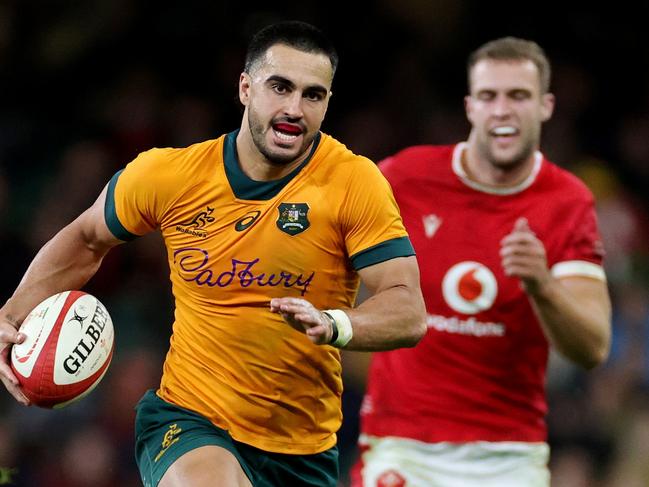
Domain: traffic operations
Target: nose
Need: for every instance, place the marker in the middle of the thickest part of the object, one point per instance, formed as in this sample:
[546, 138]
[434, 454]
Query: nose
[293, 106]
[502, 106]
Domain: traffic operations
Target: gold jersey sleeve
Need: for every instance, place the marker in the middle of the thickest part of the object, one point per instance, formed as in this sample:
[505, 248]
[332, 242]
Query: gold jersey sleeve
[233, 244]
[368, 213]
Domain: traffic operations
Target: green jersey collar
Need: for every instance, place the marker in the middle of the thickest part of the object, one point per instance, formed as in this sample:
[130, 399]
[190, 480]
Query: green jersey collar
[248, 189]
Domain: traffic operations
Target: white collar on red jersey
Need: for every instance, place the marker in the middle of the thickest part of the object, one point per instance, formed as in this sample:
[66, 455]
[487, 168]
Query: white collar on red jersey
[461, 173]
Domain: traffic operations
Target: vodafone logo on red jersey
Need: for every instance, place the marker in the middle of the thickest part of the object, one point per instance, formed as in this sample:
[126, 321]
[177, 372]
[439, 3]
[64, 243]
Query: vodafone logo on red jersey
[390, 478]
[469, 287]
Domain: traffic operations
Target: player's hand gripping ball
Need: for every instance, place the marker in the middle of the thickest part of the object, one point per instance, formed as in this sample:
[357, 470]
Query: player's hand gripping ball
[69, 345]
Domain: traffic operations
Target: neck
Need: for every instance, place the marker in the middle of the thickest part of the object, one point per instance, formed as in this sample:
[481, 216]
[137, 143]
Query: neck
[483, 171]
[256, 166]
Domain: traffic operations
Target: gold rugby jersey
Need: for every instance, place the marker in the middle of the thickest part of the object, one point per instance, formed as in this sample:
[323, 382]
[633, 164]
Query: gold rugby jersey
[232, 245]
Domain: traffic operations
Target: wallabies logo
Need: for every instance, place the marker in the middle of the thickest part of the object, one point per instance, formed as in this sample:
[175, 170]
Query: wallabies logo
[169, 438]
[195, 226]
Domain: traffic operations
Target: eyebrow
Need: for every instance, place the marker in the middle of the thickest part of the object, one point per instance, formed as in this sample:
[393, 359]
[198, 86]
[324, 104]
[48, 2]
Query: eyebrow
[507, 92]
[313, 88]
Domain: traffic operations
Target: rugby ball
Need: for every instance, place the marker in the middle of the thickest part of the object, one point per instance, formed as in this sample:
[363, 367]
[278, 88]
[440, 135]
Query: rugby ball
[69, 345]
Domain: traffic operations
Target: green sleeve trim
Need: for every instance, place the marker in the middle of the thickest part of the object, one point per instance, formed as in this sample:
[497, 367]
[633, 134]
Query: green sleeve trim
[390, 249]
[110, 214]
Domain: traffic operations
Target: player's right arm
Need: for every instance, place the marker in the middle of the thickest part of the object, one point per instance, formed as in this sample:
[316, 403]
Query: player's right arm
[66, 262]
[574, 310]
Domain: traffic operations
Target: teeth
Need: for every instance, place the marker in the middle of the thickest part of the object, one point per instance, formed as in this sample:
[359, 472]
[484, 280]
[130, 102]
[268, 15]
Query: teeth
[284, 136]
[504, 131]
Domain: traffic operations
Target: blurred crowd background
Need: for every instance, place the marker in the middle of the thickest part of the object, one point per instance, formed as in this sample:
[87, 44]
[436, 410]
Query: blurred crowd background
[85, 86]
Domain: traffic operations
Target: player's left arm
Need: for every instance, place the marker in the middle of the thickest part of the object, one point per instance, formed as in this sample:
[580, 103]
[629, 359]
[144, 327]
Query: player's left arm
[379, 249]
[574, 311]
[392, 317]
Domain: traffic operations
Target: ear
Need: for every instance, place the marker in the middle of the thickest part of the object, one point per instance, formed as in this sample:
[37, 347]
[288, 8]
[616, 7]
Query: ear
[329, 95]
[244, 88]
[547, 106]
[468, 107]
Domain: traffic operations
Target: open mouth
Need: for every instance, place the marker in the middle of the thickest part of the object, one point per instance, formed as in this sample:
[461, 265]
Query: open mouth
[287, 132]
[504, 131]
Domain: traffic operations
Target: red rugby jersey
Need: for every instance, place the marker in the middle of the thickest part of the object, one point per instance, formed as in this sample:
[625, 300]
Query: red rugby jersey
[479, 373]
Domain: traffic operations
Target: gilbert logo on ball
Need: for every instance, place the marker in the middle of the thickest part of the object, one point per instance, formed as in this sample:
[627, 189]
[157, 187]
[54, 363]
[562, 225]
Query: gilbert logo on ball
[67, 351]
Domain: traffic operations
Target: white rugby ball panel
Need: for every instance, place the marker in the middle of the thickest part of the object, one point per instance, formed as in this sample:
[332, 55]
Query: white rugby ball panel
[71, 349]
[85, 341]
[37, 327]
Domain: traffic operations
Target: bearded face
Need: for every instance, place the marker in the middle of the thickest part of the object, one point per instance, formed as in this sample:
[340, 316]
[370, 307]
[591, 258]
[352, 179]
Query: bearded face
[286, 97]
[506, 110]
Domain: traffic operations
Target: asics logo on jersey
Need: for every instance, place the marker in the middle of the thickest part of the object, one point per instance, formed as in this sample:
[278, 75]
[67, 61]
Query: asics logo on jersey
[247, 221]
[194, 266]
[469, 287]
[195, 225]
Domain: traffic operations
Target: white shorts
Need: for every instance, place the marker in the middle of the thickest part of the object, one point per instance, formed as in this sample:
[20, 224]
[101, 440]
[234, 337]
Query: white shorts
[399, 462]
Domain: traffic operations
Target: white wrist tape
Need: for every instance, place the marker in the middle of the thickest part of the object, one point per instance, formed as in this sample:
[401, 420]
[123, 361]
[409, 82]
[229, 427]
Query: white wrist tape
[343, 325]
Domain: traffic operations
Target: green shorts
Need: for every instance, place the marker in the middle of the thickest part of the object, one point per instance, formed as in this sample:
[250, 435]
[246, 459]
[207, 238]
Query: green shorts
[164, 432]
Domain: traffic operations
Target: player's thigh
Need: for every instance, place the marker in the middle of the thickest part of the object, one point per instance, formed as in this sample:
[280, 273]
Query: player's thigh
[170, 436]
[207, 466]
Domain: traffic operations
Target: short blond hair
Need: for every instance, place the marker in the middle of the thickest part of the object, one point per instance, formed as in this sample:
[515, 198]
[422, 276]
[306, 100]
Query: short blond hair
[513, 49]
